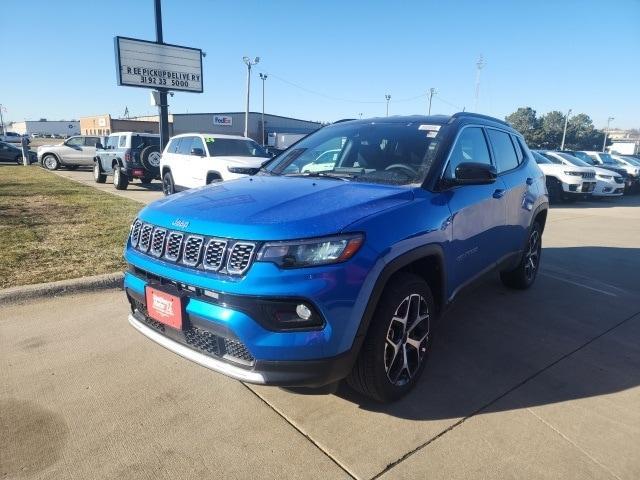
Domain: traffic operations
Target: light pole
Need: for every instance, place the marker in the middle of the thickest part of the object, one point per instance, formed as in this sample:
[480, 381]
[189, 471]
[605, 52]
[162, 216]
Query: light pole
[263, 77]
[432, 92]
[564, 133]
[606, 133]
[387, 97]
[4, 132]
[480, 65]
[250, 63]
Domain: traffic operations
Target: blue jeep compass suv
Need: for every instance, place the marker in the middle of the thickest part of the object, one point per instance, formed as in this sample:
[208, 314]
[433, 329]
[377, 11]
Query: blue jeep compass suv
[334, 260]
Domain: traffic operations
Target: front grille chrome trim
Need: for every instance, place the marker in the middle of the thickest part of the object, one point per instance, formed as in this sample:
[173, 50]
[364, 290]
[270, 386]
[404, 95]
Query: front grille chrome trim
[157, 241]
[188, 257]
[172, 239]
[146, 233]
[245, 262]
[220, 244]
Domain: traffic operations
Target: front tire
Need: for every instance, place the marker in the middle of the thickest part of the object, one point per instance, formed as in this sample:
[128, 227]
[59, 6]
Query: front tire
[524, 275]
[168, 187]
[398, 342]
[120, 180]
[98, 176]
[50, 162]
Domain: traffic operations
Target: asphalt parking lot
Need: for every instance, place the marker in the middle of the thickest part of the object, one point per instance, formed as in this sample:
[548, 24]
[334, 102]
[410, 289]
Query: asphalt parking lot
[536, 384]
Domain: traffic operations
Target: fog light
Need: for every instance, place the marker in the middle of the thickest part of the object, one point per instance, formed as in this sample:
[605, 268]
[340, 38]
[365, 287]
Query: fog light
[303, 312]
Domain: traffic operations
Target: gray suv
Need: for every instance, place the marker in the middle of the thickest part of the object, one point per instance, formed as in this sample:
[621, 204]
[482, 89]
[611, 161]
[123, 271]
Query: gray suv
[126, 156]
[74, 152]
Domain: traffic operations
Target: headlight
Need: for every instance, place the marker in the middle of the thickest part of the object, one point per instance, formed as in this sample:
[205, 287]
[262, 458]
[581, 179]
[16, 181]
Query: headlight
[604, 177]
[575, 174]
[312, 252]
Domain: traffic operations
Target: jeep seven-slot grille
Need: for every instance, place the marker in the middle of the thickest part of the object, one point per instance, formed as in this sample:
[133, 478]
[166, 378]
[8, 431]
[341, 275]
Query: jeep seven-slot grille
[588, 174]
[196, 251]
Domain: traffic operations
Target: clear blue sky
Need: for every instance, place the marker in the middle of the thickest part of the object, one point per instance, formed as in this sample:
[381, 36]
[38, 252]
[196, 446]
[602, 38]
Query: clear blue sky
[58, 59]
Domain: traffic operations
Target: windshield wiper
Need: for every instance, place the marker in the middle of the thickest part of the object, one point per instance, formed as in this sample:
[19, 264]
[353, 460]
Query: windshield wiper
[345, 177]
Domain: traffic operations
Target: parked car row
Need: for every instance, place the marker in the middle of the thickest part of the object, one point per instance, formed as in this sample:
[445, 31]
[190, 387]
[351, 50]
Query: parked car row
[582, 174]
[9, 152]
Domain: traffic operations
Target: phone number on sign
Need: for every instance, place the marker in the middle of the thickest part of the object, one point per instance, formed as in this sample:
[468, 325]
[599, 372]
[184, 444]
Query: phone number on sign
[164, 82]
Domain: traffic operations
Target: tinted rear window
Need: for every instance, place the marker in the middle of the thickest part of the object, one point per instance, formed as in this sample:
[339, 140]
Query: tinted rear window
[141, 141]
[505, 154]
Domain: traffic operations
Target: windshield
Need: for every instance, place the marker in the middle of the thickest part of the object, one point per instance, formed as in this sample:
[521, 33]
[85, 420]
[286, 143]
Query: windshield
[551, 158]
[607, 159]
[141, 141]
[390, 153]
[632, 161]
[584, 157]
[575, 160]
[234, 147]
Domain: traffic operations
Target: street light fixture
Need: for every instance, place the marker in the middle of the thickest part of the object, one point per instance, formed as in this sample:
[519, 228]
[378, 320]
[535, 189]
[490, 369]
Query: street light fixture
[387, 97]
[606, 133]
[432, 92]
[564, 133]
[250, 63]
[263, 77]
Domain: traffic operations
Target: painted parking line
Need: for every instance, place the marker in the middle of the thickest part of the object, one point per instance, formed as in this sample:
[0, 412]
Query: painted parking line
[578, 284]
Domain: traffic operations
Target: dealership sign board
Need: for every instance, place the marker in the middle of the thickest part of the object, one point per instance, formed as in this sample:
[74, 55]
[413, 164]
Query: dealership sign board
[223, 120]
[145, 64]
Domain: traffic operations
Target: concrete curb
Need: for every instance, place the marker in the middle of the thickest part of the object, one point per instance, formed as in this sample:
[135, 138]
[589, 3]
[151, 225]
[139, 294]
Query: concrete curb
[63, 287]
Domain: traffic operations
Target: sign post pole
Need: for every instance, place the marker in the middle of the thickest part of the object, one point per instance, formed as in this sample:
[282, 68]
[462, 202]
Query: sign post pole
[163, 107]
[26, 160]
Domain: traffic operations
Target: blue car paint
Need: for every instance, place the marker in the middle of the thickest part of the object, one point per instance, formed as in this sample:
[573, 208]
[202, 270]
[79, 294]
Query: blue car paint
[472, 226]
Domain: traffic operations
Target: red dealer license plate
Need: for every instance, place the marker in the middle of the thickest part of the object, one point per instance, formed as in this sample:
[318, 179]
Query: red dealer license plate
[164, 307]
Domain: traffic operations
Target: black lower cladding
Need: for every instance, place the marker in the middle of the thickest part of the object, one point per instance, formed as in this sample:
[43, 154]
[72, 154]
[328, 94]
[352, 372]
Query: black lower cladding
[197, 336]
[224, 345]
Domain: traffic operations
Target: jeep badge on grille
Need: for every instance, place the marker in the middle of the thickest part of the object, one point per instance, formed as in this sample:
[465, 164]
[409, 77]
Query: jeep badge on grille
[180, 223]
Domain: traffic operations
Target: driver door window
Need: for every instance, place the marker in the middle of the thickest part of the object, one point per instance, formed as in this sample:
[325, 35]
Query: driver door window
[471, 146]
[75, 142]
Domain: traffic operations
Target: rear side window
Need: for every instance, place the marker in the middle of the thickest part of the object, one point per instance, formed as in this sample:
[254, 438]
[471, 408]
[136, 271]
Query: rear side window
[123, 141]
[471, 146]
[185, 146]
[517, 144]
[504, 153]
[112, 142]
[197, 143]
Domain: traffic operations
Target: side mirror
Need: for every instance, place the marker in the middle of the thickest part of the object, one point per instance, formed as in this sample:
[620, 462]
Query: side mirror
[471, 173]
[99, 146]
[198, 152]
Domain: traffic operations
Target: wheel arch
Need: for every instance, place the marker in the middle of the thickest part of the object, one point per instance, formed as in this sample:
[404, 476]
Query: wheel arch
[211, 174]
[427, 262]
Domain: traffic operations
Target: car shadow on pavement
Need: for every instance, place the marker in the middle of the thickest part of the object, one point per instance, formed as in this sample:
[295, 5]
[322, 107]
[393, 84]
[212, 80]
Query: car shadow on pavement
[555, 341]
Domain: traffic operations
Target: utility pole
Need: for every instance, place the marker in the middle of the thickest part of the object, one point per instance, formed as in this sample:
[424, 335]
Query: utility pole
[564, 133]
[432, 92]
[263, 77]
[606, 133]
[480, 65]
[250, 63]
[4, 131]
[387, 97]
[163, 107]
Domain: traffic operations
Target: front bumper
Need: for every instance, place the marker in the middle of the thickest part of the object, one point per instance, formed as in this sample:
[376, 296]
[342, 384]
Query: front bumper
[606, 188]
[308, 373]
[580, 186]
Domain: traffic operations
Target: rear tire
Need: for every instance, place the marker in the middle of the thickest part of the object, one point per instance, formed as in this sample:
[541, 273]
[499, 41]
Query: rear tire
[168, 187]
[120, 180]
[98, 176]
[524, 275]
[50, 162]
[397, 344]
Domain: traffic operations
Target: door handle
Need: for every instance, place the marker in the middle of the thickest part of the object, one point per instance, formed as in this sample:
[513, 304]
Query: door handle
[529, 181]
[499, 193]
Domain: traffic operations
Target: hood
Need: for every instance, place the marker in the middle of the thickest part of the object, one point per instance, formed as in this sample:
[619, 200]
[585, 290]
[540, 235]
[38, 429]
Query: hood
[606, 171]
[251, 162]
[273, 208]
[557, 168]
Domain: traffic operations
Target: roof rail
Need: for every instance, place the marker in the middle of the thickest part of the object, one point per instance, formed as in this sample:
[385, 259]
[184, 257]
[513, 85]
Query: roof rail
[478, 115]
[343, 120]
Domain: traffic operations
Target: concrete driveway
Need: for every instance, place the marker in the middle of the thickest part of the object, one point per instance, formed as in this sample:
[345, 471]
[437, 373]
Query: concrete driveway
[536, 384]
[135, 191]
